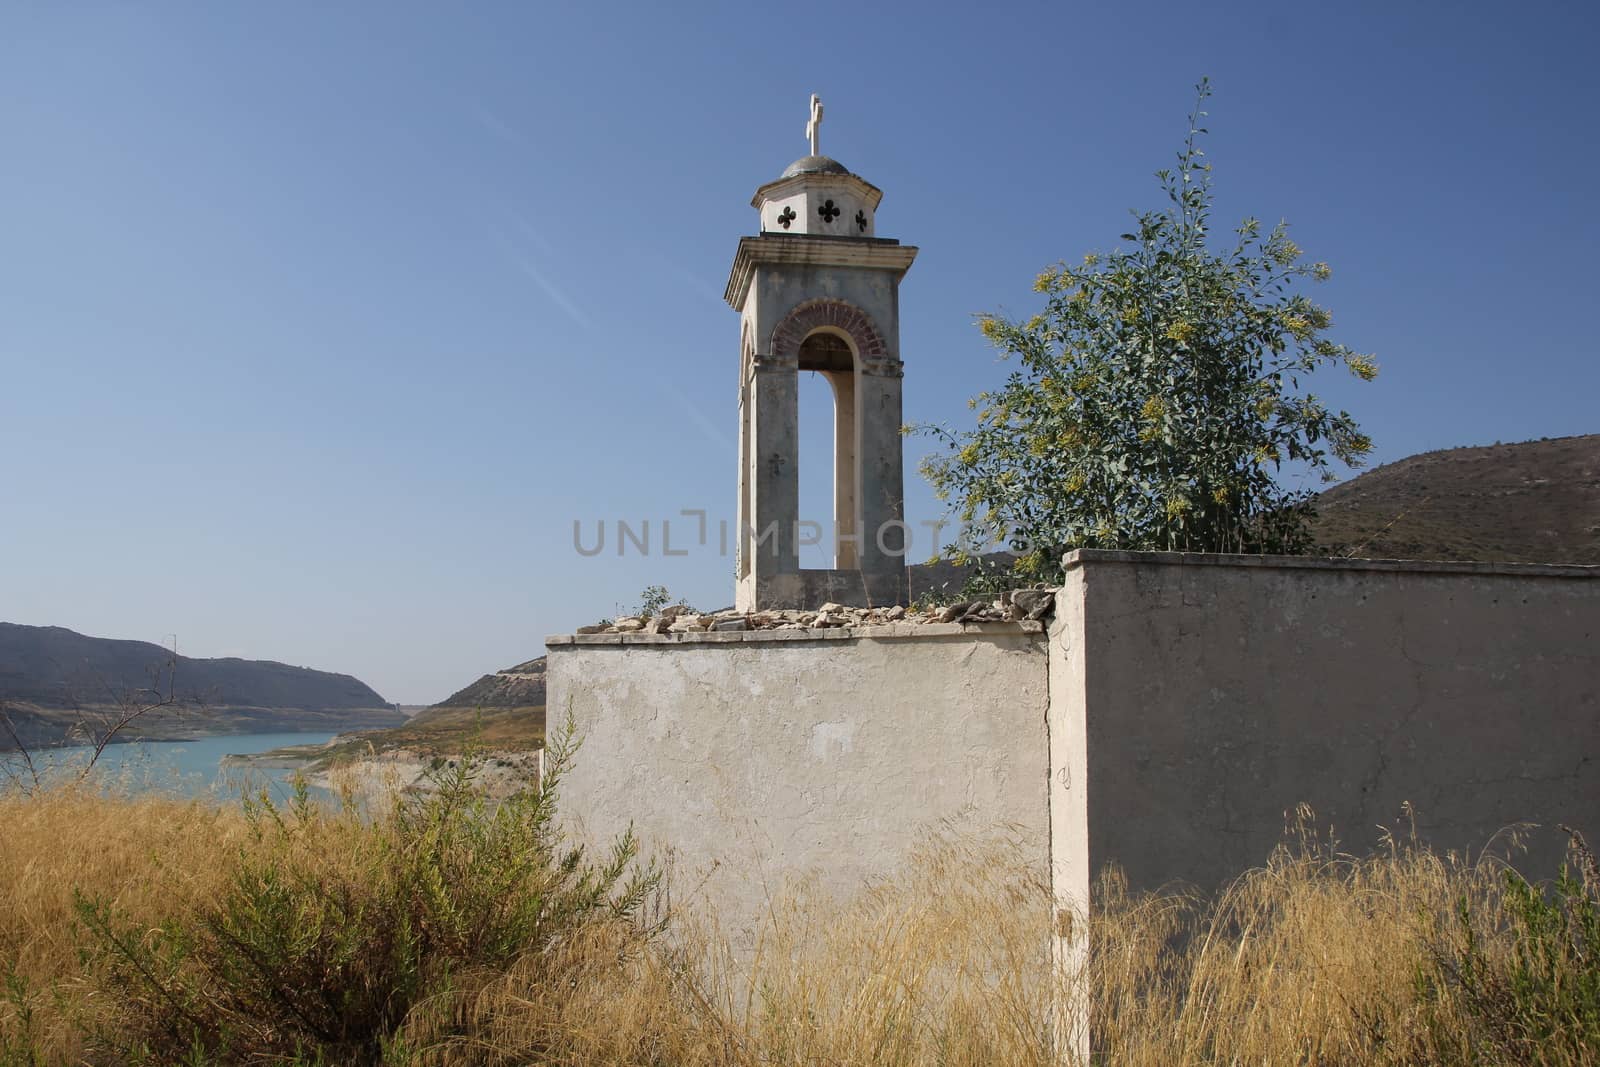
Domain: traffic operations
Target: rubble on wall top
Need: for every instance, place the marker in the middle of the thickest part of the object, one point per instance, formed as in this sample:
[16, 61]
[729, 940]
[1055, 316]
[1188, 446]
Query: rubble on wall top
[1026, 606]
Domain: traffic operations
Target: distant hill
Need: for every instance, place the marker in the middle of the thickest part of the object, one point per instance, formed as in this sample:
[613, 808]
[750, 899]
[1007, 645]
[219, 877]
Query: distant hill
[514, 687]
[48, 671]
[504, 709]
[501, 712]
[1534, 502]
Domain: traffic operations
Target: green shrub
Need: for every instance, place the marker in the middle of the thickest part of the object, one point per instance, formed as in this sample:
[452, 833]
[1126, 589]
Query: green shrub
[334, 926]
[1531, 984]
[1156, 397]
[18, 1047]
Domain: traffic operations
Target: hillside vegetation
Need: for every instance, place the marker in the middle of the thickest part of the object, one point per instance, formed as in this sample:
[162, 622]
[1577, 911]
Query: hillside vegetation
[1533, 502]
[502, 713]
[521, 686]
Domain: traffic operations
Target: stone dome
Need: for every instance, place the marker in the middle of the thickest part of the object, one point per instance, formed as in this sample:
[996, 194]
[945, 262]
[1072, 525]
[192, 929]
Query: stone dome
[814, 165]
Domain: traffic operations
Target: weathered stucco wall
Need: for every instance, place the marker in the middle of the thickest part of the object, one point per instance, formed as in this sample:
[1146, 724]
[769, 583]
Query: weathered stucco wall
[1203, 697]
[1178, 710]
[757, 756]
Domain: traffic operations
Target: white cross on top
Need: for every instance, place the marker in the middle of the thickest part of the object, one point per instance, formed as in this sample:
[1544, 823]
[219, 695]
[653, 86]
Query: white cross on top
[814, 127]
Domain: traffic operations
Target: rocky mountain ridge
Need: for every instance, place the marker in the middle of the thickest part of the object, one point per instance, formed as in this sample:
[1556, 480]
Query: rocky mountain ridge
[51, 676]
[1529, 502]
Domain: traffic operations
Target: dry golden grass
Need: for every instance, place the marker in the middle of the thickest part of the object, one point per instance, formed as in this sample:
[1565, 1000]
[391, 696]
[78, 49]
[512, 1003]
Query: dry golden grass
[942, 964]
[150, 853]
[1316, 958]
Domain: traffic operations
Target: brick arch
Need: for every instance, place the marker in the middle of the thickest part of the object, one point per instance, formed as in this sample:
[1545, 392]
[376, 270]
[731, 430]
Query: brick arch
[848, 319]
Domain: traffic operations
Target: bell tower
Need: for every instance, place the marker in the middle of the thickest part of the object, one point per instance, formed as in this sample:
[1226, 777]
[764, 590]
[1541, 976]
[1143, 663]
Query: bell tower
[817, 290]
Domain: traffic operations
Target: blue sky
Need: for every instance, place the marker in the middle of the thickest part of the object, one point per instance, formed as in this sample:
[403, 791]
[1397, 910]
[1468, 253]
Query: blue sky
[320, 324]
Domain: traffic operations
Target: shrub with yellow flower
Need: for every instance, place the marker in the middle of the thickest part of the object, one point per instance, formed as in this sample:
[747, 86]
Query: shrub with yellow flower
[1166, 375]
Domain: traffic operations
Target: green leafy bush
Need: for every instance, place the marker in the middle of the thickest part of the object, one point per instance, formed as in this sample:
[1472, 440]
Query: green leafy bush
[1532, 986]
[1156, 396]
[335, 926]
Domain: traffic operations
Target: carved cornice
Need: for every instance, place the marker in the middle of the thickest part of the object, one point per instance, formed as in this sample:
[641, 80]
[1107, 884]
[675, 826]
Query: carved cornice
[886, 368]
[879, 368]
[813, 250]
[768, 364]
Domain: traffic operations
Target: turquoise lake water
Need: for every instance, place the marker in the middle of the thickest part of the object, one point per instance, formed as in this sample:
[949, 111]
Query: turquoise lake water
[187, 768]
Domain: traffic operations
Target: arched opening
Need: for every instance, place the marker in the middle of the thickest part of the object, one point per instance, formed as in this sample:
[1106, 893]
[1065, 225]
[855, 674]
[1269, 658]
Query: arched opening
[828, 423]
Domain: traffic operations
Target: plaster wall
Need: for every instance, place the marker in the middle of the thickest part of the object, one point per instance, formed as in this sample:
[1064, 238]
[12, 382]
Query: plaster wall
[1175, 714]
[1218, 692]
[751, 758]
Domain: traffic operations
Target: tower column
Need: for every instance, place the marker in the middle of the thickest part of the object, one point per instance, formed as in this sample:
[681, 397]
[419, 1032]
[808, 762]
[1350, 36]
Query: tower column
[882, 474]
[818, 291]
[776, 500]
[846, 470]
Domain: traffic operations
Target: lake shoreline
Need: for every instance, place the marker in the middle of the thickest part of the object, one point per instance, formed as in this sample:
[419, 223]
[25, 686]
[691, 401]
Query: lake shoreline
[384, 775]
[222, 765]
